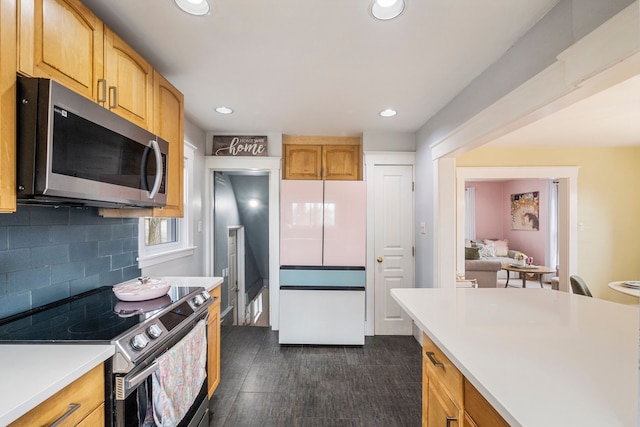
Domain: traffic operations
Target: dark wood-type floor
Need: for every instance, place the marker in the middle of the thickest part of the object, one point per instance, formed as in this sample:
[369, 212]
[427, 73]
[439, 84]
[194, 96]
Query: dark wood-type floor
[265, 384]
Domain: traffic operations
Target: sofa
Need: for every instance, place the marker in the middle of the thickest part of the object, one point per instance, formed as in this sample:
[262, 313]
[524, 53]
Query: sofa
[484, 263]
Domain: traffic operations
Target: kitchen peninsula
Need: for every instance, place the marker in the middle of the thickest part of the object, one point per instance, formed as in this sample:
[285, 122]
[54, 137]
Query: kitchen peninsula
[539, 357]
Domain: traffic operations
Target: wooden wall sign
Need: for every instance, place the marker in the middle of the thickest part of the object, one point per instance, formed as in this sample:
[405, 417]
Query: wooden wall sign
[239, 145]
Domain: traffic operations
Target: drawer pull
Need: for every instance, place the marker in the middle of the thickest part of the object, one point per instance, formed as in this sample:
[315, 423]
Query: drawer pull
[432, 357]
[72, 408]
[451, 420]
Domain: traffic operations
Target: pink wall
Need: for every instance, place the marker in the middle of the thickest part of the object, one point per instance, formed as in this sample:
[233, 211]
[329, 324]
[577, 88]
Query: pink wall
[489, 212]
[493, 215]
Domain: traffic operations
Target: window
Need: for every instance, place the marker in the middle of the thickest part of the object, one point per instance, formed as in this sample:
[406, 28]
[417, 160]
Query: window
[164, 239]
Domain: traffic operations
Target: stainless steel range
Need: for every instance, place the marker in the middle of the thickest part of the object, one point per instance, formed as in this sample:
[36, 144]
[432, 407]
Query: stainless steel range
[143, 332]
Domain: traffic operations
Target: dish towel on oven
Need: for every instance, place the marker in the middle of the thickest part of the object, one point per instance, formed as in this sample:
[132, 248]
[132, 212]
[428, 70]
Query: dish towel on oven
[179, 377]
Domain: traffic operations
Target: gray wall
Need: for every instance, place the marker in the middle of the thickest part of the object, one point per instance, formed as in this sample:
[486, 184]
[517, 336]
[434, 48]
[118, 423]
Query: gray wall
[48, 253]
[569, 21]
[255, 221]
[232, 191]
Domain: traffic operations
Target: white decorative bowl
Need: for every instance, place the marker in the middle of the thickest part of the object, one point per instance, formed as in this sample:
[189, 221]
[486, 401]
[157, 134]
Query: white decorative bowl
[141, 289]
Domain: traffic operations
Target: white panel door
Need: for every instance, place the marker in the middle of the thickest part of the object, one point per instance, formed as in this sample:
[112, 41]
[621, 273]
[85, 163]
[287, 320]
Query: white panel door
[345, 223]
[301, 211]
[394, 266]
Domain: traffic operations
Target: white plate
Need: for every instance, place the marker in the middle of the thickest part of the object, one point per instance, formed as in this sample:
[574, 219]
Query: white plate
[137, 290]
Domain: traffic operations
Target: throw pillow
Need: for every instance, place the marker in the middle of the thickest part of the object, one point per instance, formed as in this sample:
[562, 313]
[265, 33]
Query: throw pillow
[471, 253]
[487, 251]
[501, 246]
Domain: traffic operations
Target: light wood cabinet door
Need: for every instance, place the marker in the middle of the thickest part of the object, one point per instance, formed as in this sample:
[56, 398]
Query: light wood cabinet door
[129, 80]
[340, 162]
[441, 410]
[479, 410]
[303, 162]
[62, 40]
[169, 125]
[7, 106]
[213, 341]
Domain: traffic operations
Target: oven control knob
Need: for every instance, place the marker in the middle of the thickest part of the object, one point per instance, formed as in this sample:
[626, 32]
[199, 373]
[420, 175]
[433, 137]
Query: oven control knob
[198, 300]
[139, 342]
[154, 331]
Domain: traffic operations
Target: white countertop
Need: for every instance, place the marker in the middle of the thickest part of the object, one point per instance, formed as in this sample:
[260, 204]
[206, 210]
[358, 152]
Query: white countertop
[29, 374]
[208, 283]
[33, 373]
[540, 357]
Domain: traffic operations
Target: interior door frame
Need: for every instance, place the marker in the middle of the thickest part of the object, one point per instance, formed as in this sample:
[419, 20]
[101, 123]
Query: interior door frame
[248, 164]
[371, 160]
[567, 210]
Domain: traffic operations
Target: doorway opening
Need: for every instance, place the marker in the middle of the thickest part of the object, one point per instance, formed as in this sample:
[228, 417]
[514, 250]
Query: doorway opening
[241, 245]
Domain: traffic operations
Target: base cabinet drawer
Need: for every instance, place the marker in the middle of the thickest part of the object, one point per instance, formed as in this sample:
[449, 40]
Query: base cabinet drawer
[72, 405]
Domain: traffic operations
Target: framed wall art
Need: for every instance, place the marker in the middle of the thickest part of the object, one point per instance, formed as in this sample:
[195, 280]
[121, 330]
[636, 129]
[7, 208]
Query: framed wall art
[525, 211]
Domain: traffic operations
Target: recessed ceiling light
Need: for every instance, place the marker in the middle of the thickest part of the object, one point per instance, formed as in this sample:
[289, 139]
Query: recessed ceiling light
[224, 110]
[388, 113]
[194, 7]
[387, 9]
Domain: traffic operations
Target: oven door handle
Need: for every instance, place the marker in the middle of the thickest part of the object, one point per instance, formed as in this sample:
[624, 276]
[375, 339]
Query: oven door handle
[133, 382]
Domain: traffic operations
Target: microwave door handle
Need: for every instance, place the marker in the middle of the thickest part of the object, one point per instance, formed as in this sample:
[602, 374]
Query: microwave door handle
[159, 169]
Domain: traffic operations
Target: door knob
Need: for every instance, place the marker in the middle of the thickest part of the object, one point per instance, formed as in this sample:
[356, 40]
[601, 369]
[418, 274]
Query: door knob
[379, 259]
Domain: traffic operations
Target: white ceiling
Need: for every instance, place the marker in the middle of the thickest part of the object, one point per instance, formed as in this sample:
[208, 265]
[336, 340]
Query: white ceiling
[319, 67]
[608, 118]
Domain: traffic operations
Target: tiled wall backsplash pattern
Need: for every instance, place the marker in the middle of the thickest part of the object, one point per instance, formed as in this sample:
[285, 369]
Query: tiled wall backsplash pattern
[49, 253]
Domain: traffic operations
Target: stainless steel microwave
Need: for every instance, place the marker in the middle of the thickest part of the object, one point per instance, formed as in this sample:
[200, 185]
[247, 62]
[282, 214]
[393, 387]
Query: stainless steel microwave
[73, 151]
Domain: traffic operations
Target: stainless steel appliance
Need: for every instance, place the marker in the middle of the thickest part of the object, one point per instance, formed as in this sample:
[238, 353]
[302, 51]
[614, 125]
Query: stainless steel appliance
[72, 150]
[141, 332]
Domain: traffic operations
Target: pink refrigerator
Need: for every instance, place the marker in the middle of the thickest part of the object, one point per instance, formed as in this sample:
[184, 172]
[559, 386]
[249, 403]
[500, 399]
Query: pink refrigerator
[322, 260]
[323, 223]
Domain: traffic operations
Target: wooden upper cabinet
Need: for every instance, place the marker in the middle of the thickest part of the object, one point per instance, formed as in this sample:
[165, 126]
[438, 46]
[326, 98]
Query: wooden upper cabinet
[129, 81]
[341, 162]
[169, 125]
[7, 106]
[322, 158]
[303, 162]
[62, 40]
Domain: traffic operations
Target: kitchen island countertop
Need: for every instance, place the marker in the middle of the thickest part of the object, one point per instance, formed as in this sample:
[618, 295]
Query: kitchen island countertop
[32, 373]
[540, 357]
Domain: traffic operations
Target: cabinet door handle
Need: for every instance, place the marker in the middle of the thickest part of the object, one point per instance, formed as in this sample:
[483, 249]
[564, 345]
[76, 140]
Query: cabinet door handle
[113, 97]
[103, 94]
[432, 357]
[72, 407]
[451, 420]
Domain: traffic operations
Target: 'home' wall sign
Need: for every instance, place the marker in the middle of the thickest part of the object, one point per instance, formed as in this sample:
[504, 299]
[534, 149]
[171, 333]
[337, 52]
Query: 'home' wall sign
[239, 145]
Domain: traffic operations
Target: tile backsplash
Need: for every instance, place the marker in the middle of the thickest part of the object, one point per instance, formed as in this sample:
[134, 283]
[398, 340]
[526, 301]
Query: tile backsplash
[49, 253]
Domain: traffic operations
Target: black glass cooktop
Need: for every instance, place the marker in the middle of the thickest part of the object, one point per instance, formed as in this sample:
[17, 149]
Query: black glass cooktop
[97, 316]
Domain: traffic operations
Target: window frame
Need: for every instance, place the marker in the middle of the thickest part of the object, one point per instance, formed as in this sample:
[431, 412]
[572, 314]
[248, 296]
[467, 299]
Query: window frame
[183, 246]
